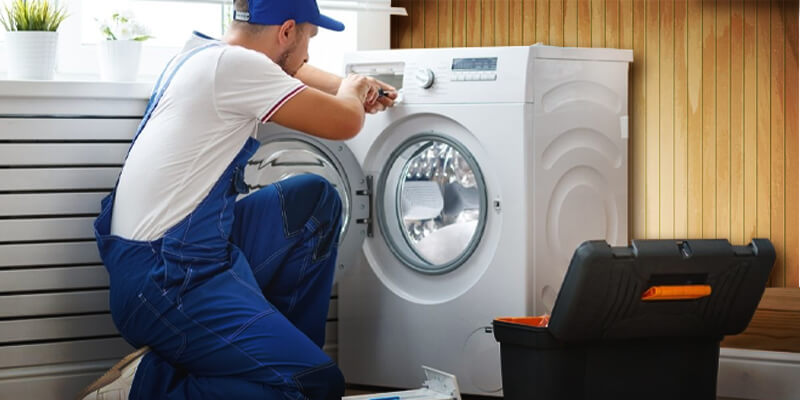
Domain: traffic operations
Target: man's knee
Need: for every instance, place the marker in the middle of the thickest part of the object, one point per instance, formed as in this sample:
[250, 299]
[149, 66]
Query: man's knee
[322, 383]
[307, 196]
[329, 200]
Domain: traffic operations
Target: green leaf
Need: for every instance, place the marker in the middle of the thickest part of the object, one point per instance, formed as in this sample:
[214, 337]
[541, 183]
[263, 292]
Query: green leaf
[32, 15]
[109, 34]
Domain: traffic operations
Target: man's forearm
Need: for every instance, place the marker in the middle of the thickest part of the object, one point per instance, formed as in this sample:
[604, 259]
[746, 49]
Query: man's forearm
[319, 79]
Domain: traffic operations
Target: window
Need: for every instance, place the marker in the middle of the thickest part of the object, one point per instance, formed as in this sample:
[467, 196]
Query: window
[171, 23]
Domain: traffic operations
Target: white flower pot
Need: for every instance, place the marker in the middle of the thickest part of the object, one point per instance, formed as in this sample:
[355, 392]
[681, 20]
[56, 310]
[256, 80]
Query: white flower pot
[31, 54]
[119, 59]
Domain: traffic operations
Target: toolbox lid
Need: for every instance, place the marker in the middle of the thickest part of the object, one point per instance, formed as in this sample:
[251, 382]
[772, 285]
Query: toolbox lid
[661, 288]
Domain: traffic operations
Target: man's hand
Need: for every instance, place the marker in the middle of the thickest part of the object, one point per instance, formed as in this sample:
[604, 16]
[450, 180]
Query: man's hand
[375, 102]
[356, 86]
[332, 84]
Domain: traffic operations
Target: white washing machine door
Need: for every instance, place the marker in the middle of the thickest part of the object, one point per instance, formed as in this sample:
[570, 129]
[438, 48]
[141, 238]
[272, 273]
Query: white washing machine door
[430, 205]
[285, 153]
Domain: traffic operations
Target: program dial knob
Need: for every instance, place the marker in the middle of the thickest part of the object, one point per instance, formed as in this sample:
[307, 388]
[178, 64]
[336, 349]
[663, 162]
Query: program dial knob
[425, 78]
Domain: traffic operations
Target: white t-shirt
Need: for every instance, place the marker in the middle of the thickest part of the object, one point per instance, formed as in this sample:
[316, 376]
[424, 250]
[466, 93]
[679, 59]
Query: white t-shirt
[213, 105]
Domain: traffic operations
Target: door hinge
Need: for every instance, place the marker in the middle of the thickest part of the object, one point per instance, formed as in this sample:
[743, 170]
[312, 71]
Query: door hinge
[367, 192]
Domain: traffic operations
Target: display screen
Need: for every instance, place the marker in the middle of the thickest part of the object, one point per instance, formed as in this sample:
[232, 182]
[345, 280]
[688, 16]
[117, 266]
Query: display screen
[475, 64]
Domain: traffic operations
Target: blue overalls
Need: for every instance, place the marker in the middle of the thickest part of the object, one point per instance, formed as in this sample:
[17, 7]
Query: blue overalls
[233, 299]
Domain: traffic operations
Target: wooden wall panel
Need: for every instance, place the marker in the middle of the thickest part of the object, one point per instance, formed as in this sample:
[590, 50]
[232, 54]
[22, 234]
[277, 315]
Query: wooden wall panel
[430, 17]
[542, 21]
[612, 23]
[528, 22]
[666, 146]
[750, 122]
[584, 23]
[763, 204]
[681, 117]
[516, 13]
[737, 123]
[713, 102]
[709, 111]
[502, 27]
[556, 22]
[598, 23]
[460, 23]
[652, 103]
[777, 141]
[638, 140]
[723, 147]
[446, 25]
[791, 129]
[487, 22]
[571, 23]
[474, 8]
[695, 122]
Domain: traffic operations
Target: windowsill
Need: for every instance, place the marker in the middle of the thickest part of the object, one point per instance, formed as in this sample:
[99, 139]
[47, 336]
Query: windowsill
[72, 86]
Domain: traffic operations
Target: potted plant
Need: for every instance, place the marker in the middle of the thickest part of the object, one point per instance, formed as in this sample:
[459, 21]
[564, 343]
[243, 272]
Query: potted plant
[119, 53]
[32, 39]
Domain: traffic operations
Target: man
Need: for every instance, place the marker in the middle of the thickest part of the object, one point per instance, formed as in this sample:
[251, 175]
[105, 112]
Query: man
[230, 298]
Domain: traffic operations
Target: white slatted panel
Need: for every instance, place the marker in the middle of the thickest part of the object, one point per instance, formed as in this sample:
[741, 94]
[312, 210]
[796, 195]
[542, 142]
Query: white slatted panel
[63, 98]
[110, 108]
[62, 154]
[30, 179]
[332, 332]
[24, 129]
[50, 279]
[62, 352]
[333, 310]
[42, 254]
[33, 204]
[28, 305]
[46, 229]
[56, 334]
[49, 382]
[57, 328]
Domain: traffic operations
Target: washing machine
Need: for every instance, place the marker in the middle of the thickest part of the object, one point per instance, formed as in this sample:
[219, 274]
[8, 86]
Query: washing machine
[465, 201]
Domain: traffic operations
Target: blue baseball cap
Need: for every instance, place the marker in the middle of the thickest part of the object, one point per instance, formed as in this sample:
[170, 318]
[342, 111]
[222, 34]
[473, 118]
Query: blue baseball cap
[276, 12]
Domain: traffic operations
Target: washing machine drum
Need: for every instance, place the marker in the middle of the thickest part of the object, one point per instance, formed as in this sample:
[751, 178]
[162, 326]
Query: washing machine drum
[432, 204]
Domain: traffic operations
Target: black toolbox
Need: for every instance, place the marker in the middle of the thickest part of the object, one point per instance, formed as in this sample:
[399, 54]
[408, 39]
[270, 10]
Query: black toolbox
[638, 322]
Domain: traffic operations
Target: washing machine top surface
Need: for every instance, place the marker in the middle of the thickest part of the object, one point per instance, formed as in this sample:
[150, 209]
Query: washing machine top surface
[467, 74]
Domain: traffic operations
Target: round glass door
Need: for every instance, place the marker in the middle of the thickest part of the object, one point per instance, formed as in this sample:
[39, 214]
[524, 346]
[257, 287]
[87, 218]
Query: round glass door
[284, 158]
[432, 203]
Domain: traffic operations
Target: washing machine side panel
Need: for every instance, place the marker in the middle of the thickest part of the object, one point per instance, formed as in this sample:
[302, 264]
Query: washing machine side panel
[581, 163]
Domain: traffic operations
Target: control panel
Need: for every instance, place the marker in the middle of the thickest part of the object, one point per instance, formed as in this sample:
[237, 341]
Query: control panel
[457, 75]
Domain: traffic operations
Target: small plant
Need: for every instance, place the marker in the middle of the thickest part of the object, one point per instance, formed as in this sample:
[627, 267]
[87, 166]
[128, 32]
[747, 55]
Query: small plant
[32, 15]
[121, 26]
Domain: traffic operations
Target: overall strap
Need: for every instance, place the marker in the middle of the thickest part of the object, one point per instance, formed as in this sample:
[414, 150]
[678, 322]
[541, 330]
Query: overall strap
[159, 89]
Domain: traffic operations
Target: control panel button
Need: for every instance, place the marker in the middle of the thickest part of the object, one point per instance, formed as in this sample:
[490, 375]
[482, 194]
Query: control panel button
[474, 76]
